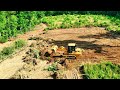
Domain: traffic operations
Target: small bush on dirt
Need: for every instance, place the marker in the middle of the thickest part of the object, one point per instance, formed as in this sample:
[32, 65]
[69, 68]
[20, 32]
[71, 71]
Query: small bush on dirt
[77, 20]
[48, 58]
[52, 67]
[19, 44]
[7, 51]
[105, 70]
[15, 22]
[36, 53]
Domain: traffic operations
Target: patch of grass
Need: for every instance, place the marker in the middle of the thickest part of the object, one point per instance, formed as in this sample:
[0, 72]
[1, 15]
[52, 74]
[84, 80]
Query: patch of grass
[36, 53]
[7, 51]
[52, 67]
[19, 44]
[3, 39]
[104, 70]
[76, 21]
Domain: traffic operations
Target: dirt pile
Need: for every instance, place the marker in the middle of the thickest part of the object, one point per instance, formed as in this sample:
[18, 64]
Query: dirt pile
[33, 60]
[37, 54]
[68, 74]
[64, 72]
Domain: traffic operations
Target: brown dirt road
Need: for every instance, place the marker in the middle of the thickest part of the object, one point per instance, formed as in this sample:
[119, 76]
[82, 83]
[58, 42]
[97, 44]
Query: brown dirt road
[9, 66]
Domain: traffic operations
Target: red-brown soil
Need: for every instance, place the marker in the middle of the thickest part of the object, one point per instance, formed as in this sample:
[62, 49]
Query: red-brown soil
[98, 43]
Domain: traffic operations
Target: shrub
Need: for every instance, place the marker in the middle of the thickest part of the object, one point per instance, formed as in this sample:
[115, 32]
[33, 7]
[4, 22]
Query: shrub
[52, 67]
[36, 53]
[7, 51]
[14, 22]
[19, 44]
[3, 39]
[105, 70]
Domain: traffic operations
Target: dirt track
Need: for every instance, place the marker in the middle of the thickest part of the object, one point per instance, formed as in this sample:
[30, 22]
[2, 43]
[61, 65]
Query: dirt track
[10, 66]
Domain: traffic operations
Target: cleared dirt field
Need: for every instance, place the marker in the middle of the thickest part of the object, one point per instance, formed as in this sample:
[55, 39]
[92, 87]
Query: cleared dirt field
[98, 44]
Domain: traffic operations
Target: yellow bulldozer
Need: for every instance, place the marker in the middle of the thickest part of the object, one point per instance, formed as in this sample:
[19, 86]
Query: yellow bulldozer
[61, 52]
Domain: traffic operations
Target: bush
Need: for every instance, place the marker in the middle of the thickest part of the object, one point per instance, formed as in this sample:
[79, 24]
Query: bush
[52, 67]
[68, 21]
[14, 22]
[7, 51]
[19, 44]
[105, 70]
[35, 52]
[3, 39]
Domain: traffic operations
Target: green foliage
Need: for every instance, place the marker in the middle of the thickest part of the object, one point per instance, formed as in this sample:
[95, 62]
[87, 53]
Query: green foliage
[76, 20]
[3, 39]
[19, 44]
[11, 49]
[14, 22]
[52, 67]
[18, 22]
[2, 21]
[7, 51]
[11, 26]
[36, 53]
[105, 70]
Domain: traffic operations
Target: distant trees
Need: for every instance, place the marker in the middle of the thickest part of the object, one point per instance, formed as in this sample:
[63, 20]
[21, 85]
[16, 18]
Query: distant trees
[14, 22]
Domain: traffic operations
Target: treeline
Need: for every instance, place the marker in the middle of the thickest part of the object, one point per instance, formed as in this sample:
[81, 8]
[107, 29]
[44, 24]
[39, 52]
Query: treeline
[14, 22]
[110, 13]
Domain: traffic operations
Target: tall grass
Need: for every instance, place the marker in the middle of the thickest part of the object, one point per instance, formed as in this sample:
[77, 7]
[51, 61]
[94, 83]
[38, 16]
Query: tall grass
[73, 21]
[7, 51]
[104, 70]
[19, 44]
[18, 22]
